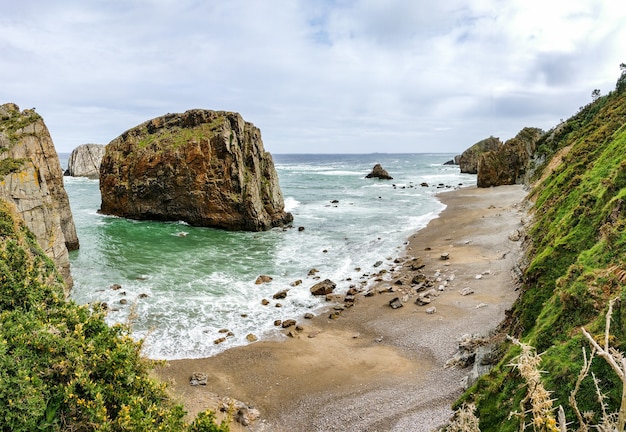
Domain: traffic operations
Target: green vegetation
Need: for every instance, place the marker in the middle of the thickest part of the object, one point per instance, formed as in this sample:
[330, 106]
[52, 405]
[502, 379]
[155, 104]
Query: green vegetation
[62, 368]
[176, 137]
[13, 121]
[576, 264]
[10, 165]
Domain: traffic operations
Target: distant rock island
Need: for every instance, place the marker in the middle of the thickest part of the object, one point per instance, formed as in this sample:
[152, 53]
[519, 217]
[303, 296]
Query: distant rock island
[379, 172]
[31, 181]
[207, 168]
[85, 161]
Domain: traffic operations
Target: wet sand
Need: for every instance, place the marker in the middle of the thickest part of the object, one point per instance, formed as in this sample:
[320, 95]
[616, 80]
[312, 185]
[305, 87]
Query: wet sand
[374, 368]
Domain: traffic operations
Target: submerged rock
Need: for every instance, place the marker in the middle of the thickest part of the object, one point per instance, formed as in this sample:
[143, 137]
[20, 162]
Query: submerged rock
[207, 168]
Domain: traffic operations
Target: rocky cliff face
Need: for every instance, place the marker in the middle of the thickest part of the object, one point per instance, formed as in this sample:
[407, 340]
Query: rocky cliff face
[85, 161]
[508, 164]
[208, 168]
[468, 161]
[31, 179]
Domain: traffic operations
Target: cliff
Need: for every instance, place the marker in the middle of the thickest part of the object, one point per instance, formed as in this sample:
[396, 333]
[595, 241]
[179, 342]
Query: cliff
[85, 161]
[207, 168]
[509, 162]
[31, 179]
[574, 265]
[468, 160]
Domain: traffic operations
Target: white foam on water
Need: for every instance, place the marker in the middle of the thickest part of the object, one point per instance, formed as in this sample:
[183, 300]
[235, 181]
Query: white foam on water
[204, 281]
[291, 204]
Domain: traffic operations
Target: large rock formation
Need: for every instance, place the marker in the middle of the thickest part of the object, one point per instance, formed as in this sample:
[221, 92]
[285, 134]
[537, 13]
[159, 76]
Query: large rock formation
[207, 168]
[31, 179]
[85, 161]
[468, 161]
[509, 162]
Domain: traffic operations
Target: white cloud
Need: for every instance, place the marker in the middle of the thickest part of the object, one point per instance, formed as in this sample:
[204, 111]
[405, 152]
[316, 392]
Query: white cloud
[324, 76]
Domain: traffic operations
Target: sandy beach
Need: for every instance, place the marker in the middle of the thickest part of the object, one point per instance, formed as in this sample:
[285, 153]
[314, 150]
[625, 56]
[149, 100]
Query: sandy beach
[371, 367]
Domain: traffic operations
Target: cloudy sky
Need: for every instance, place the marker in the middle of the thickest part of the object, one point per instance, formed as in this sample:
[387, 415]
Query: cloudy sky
[316, 76]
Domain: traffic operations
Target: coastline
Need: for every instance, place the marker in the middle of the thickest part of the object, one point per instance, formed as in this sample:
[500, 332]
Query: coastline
[374, 367]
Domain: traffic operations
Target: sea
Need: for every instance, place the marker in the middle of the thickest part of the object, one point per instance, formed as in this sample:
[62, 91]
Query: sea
[181, 288]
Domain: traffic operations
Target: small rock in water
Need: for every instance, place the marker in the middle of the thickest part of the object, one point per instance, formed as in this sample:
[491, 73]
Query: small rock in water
[308, 315]
[263, 279]
[445, 256]
[431, 310]
[251, 338]
[288, 323]
[265, 302]
[482, 305]
[219, 341]
[280, 294]
[478, 277]
[116, 286]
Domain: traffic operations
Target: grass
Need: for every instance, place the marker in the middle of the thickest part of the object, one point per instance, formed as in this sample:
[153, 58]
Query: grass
[576, 264]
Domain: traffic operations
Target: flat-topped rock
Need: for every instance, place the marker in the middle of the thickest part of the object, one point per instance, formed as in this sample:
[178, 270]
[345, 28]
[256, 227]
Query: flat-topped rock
[207, 168]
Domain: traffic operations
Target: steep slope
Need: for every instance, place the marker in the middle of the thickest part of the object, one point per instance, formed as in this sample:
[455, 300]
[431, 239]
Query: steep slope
[575, 265]
[32, 179]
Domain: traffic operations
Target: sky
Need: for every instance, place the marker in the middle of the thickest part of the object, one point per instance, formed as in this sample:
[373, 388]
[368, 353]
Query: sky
[315, 76]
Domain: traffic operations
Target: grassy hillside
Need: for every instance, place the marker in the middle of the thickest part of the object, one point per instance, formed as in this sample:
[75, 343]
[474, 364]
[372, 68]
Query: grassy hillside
[576, 264]
[61, 366]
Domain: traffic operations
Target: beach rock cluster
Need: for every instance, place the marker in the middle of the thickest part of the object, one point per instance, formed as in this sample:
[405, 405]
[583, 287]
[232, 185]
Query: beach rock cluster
[31, 179]
[207, 168]
[85, 161]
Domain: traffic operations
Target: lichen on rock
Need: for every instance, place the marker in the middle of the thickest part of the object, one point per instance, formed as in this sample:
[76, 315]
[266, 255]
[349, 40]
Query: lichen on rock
[207, 168]
[31, 179]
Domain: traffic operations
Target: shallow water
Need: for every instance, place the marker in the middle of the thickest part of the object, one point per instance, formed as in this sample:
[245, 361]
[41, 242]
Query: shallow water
[184, 283]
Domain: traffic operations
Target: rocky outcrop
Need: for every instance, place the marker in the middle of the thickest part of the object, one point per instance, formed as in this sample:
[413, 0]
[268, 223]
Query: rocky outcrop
[85, 161]
[207, 168]
[379, 172]
[31, 179]
[508, 164]
[468, 161]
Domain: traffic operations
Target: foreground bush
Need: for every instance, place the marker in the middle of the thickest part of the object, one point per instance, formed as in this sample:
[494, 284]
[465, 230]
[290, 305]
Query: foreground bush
[61, 366]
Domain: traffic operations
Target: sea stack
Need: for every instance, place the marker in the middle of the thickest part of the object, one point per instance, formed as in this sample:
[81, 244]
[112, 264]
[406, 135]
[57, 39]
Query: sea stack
[379, 172]
[206, 168]
[31, 181]
[85, 161]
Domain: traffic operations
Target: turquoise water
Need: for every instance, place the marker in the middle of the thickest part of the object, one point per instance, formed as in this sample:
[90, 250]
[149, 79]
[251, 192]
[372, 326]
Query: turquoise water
[183, 284]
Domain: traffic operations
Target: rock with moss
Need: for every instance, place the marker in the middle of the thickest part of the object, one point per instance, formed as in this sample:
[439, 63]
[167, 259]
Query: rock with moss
[508, 164]
[207, 168]
[85, 161]
[468, 161]
[31, 178]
